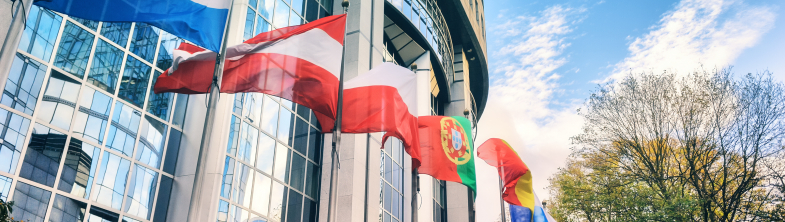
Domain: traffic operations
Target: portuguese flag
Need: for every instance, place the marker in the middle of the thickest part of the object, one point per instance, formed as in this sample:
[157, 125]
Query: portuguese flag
[447, 149]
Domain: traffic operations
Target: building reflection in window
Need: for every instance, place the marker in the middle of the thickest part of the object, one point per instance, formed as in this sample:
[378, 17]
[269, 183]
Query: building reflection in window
[151, 143]
[122, 133]
[75, 46]
[111, 180]
[107, 61]
[43, 154]
[93, 115]
[40, 33]
[59, 100]
[13, 129]
[36, 201]
[81, 161]
[23, 84]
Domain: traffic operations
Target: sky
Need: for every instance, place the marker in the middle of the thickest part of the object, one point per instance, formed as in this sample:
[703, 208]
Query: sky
[546, 57]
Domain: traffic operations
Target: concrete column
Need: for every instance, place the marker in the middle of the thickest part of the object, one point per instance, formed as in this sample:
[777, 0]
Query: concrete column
[12, 25]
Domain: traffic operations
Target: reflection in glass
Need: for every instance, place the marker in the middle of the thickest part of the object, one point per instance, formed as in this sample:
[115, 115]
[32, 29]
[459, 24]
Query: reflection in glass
[5, 187]
[243, 179]
[111, 181]
[297, 6]
[144, 41]
[40, 32]
[278, 201]
[75, 46]
[281, 162]
[59, 100]
[223, 211]
[266, 8]
[247, 146]
[159, 103]
[285, 125]
[133, 85]
[281, 17]
[13, 129]
[169, 42]
[93, 115]
[300, 139]
[178, 117]
[238, 103]
[297, 172]
[67, 210]
[294, 207]
[261, 193]
[270, 116]
[294, 19]
[162, 200]
[228, 177]
[42, 157]
[310, 209]
[312, 180]
[264, 161]
[248, 31]
[31, 202]
[24, 84]
[100, 215]
[117, 32]
[151, 144]
[107, 61]
[172, 150]
[315, 139]
[81, 161]
[122, 133]
[141, 192]
[261, 25]
[234, 135]
[253, 107]
[90, 24]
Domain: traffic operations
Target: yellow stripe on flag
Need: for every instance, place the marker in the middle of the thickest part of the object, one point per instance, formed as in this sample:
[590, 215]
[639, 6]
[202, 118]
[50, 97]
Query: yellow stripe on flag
[524, 191]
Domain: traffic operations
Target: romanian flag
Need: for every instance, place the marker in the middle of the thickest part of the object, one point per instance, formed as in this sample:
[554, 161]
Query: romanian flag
[446, 149]
[516, 175]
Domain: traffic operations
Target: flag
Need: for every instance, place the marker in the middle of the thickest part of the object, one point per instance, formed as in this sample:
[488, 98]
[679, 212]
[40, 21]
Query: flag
[513, 172]
[446, 149]
[298, 63]
[523, 214]
[383, 99]
[199, 21]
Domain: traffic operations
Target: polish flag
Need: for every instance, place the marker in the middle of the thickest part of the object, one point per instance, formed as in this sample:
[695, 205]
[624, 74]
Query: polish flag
[299, 63]
[383, 99]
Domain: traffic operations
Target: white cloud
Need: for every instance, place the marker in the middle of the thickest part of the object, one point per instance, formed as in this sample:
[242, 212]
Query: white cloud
[697, 32]
[520, 99]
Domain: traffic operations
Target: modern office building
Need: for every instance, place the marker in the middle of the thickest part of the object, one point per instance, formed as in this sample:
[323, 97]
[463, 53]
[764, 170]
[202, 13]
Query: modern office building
[83, 138]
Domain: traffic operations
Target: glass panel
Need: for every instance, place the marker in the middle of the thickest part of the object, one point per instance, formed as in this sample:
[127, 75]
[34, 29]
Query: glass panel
[253, 106]
[266, 8]
[13, 129]
[270, 116]
[388, 169]
[294, 19]
[128, 219]
[67, 209]
[59, 101]
[100, 215]
[297, 172]
[294, 207]
[437, 212]
[40, 33]
[111, 180]
[141, 192]
[248, 140]
[310, 210]
[312, 180]
[261, 193]
[278, 201]
[172, 151]
[169, 42]
[81, 161]
[159, 103]
[261, 25]
[75, 46]
[87, 23]
[387, 197]
[303, 112]
[178, 117]
[5, 187]
[117, 32]
[256, 218]
[300, 139]
[234, 135]
[122, 133]
[281, 164]
[162, 200]
[252, 3]
[281, 17]
[223, 211]
[106, 66]
[93, 115]
[264, 161]
[315, 144]
[133, 85]
[144, 41]
[248, 30]
[285, 125]
[236, 214]
[30, 202]
[228, 177]
[151, 144]
[24, 84]
[43, 154]
[395, 204]
[297, 6]
[312, 10]
[243, 179]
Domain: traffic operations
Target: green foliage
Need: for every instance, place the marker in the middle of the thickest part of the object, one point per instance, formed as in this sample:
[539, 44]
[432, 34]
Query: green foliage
[6, 209]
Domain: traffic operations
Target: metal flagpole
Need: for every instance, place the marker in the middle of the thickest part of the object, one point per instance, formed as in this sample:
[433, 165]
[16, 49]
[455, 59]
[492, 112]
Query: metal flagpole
[415, 177]
[332, 199]
[501, 200]
[209, 120]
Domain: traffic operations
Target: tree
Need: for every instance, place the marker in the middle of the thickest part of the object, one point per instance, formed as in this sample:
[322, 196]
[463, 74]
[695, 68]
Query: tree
[667, 148]
[6, 209]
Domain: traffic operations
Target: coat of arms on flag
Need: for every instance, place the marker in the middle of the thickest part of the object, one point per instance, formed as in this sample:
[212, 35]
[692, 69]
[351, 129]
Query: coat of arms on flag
[455, 141]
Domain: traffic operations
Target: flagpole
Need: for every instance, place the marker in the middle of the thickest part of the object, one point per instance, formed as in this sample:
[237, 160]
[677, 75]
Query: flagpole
[195, 207]
[501, 186]
[332, 199]
[415, 177]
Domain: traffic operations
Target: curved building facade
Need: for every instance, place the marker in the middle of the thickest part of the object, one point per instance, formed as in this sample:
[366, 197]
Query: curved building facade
[85, 139]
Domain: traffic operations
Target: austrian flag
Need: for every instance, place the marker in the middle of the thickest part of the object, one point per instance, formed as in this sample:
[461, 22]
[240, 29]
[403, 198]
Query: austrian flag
[299, 63]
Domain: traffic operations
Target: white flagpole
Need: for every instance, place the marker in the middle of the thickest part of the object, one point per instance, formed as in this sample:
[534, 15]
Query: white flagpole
[209, 121]
[332, 199]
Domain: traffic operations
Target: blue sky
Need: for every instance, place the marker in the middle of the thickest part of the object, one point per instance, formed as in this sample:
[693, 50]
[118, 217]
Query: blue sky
[546, 57]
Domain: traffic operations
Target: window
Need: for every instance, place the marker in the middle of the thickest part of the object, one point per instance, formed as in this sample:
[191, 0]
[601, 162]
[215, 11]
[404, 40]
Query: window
[13, 129]
[111, 181]
[144, 41]
[67, 209]
[133, 86]
[391, 185]
[151, 143]
[75, 46]
[81, 161]
[42, 157]
[122, 132]
[40, 33]
[141, 192]
[59, 101]
[159, 104]
[93, 115]
[24, 84]
[36, 201]
[106, 66]
[117, 32]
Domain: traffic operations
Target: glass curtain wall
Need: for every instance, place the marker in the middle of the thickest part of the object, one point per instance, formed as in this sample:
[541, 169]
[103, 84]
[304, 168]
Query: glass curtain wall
[265, 15]
[83, 136]
[391, 184]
